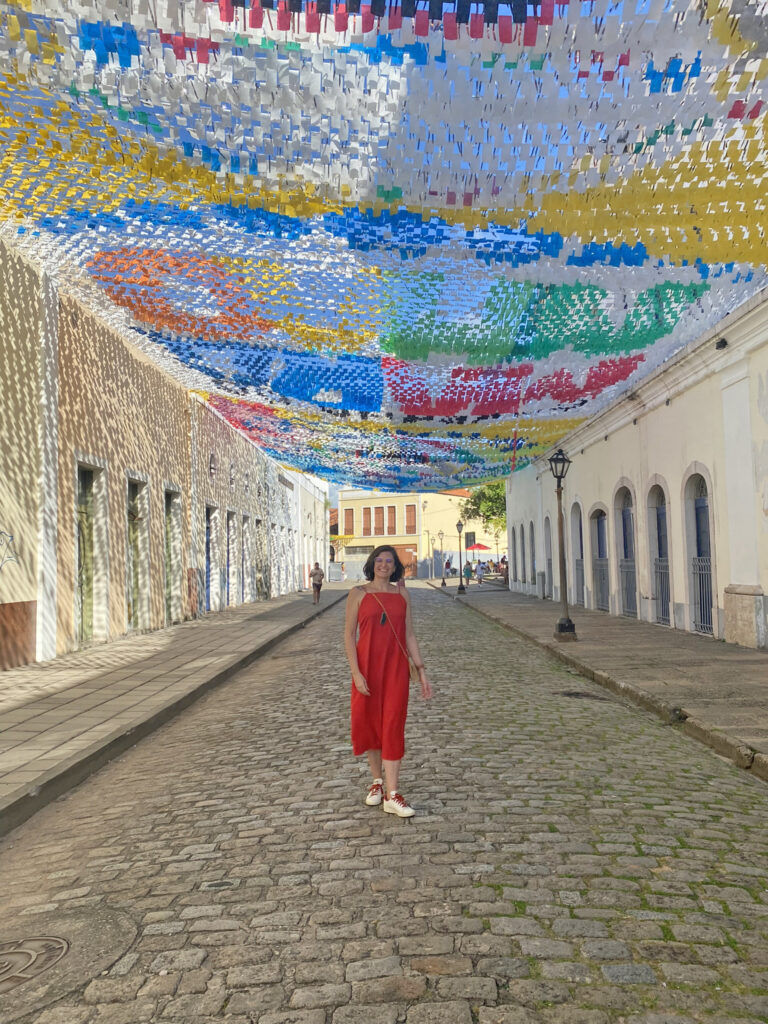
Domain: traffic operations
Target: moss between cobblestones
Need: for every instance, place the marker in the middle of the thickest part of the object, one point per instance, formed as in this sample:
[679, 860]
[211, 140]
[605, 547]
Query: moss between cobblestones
[593, 834]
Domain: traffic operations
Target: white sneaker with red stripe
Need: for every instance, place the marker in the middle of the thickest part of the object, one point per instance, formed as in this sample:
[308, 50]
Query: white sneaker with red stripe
[396, 803]
[375, 793]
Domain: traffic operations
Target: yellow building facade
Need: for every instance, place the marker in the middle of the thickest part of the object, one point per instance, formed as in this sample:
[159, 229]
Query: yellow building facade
[420, 526]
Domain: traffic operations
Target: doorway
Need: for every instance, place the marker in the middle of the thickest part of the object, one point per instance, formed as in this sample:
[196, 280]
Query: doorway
[625, 515]
[85, 569]
[209, 543]
[700, 543]
[577, 540]
[600, 578]
[136, 551]
[659, 549]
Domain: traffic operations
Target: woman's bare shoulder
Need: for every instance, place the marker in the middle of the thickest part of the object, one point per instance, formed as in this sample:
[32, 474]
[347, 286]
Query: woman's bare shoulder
[356, 595]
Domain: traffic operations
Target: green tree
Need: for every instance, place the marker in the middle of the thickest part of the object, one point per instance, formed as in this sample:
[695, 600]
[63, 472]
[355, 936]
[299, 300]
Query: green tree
[488, 504]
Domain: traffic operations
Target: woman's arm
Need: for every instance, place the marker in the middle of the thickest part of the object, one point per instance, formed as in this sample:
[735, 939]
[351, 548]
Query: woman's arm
[350, 640]
[413, 648]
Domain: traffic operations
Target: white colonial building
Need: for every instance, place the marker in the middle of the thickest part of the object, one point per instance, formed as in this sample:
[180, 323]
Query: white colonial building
[665, 505]
[127, 503]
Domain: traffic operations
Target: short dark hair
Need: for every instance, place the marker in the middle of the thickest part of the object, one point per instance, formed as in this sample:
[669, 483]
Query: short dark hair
[399, 567]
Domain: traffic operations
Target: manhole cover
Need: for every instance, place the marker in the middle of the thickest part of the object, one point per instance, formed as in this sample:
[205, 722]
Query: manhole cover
[62, 951]
[24, 959]
[580, 695]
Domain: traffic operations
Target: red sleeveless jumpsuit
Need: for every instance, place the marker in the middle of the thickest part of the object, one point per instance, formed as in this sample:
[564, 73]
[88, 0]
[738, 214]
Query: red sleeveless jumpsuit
[378, 721]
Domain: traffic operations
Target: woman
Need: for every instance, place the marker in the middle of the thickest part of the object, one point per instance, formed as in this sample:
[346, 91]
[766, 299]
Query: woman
[317, 576]
[378, 660]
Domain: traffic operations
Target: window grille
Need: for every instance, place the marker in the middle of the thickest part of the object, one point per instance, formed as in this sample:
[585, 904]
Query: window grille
[661, 575]
[702, 594]
[578, 566]
[600, 583]
[628, 578]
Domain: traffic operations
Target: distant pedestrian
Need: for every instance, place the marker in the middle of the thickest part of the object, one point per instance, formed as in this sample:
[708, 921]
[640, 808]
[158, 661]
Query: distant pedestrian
[317, 576]
[479, 572]
[467, 570]
[379, 639]
[447, 567]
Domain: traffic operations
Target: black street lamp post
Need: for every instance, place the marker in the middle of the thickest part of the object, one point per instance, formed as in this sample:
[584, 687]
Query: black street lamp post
[564, 627]
[462, 589]
[440, 535]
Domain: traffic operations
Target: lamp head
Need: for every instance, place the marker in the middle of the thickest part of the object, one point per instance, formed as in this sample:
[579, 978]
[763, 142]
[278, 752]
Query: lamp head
[459, 527]
[559, 463]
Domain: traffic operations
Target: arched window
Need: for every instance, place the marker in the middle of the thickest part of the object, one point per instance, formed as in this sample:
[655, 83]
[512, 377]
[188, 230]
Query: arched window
[658, 547]
[699, 541]
[513, 552]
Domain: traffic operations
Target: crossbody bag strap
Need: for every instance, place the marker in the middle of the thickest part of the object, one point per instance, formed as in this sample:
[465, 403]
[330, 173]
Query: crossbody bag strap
[390, 624]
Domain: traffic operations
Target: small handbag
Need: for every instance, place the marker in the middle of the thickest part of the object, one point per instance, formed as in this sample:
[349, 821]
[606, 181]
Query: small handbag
[413, 671]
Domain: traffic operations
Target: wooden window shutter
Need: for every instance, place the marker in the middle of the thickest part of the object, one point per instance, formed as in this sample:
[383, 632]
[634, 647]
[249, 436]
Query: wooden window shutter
[410, 519]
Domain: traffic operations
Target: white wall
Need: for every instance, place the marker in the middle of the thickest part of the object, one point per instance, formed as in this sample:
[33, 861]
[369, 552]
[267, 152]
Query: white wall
[76, 392]
[703, 415]
[233, 477]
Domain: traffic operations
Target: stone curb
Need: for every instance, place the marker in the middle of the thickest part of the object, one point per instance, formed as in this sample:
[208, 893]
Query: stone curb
[742, 755]
[32, 797]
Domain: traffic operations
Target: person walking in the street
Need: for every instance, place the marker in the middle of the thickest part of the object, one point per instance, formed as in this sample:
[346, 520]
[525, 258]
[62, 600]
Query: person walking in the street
[479, 573]
[467, 571]
[379, 639]
[317, 576]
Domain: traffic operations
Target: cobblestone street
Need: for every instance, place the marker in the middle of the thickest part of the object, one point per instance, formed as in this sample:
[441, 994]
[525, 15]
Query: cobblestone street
[573, 859]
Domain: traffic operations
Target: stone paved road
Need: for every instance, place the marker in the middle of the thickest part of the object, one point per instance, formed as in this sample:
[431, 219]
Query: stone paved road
[574, 860]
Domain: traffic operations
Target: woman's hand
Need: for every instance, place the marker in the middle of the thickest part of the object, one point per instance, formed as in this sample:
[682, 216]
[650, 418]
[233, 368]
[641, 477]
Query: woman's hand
[426, 686]
[360, 684]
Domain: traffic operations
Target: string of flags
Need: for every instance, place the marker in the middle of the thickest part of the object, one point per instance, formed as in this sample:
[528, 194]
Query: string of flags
[400, 244]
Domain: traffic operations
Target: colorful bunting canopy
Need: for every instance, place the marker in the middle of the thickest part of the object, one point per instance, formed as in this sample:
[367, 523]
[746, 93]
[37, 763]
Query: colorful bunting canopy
[405, 244]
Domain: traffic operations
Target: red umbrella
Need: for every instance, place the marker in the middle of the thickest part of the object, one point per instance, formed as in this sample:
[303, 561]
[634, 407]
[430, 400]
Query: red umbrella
[478, 547]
